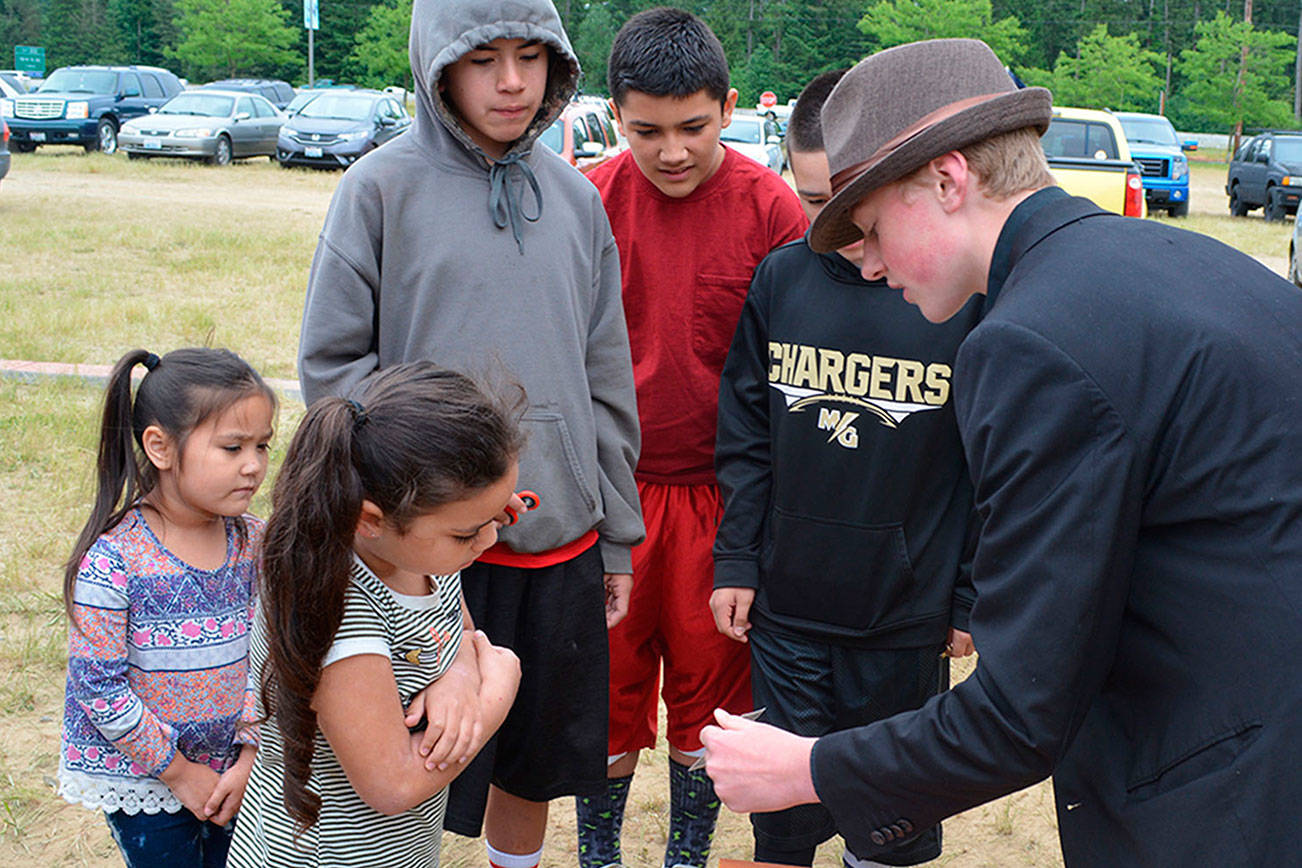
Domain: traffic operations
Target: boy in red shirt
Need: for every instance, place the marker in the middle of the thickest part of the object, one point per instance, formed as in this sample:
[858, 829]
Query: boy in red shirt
[692, 220]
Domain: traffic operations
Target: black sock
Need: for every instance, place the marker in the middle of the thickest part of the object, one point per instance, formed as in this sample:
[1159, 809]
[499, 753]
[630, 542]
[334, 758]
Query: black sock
[599, 819]
[798, 856]
[693, 809]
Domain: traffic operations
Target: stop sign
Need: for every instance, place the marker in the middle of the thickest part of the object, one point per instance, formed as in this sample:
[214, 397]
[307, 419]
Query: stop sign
[768, 99]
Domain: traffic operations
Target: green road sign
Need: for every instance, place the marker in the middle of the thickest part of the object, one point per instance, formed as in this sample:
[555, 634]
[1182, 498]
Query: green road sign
[29, 58]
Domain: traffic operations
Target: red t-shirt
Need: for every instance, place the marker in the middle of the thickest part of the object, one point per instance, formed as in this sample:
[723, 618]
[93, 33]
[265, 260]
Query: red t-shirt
[686, 266]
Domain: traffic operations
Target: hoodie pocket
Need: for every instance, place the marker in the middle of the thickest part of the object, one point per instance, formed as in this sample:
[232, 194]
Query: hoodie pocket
[830, 572]
[716, 307]
[551, 466]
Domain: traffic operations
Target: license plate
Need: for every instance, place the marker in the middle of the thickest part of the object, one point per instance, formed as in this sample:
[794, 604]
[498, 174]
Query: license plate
[38, 137]
[312, 152]
[153, 145]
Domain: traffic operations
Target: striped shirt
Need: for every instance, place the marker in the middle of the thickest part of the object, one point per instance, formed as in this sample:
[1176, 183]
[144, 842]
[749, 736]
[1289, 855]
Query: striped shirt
[420, 636]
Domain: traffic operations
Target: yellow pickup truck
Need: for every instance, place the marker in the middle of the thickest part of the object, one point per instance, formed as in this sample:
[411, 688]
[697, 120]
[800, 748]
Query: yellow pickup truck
[1089, 156]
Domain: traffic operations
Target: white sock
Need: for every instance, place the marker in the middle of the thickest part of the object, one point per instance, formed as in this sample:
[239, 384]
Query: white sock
[498, 859]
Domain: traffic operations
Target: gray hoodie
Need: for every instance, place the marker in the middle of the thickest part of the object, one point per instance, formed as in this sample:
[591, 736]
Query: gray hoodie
[431, 250]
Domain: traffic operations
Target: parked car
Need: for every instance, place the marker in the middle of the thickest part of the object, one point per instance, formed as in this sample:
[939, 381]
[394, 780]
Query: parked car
[1266, 173]
[337, 127]
[4, 149]
[11, 85]
[1295, 250]
[213, 125]
[278, 93]
[1160, 155]
[757, 137]
[584, 134]
[1089, 156]
[86, 105]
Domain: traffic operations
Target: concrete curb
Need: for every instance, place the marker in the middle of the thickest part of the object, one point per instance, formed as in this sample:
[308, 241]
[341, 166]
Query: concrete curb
[97, 375]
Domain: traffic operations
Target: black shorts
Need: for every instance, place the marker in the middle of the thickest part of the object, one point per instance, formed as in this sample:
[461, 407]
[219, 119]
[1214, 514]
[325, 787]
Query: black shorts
[553, 742]
[812, 687]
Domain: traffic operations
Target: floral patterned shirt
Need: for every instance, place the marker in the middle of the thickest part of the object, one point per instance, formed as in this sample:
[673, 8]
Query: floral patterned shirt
[159, 664]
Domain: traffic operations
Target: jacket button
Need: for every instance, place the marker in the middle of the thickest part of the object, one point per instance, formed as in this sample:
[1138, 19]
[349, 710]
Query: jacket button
[905, 825]
[877, 838]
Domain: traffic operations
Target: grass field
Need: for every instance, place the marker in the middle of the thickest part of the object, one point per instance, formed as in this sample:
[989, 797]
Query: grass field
[106, 255]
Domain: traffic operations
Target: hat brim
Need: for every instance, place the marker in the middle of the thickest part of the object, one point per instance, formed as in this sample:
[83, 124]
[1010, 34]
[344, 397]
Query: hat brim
[1029, 107]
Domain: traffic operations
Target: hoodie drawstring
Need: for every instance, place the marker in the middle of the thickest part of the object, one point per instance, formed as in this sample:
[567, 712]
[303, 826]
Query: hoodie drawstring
[504, 202]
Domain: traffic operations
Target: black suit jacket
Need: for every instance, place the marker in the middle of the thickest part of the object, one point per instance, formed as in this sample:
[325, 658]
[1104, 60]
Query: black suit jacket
[1131, 409]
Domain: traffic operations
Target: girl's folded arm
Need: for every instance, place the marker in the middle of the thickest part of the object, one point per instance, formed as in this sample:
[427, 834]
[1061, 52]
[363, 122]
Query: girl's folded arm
[360, 713]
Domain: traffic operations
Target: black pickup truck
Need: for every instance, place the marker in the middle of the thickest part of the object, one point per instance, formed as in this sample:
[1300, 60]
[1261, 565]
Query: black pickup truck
[1266, 173]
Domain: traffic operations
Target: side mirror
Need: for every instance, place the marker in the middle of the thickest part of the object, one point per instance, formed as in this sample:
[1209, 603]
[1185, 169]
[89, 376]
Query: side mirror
[1263, 156]
[1189, 145]
[153, 109]
[386, 121]
[590, 149]
[773, 140]
[242, 116]
[128, 93]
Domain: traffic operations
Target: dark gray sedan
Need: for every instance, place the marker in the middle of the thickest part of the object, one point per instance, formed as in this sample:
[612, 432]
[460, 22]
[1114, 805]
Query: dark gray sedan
[338, 126]
[213, 125]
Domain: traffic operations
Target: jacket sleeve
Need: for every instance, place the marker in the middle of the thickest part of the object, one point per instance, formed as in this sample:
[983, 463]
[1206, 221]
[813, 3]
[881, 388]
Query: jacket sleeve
[1059, 487]
[960, 613]
[337, 343]
[609, 365]
[742, 450]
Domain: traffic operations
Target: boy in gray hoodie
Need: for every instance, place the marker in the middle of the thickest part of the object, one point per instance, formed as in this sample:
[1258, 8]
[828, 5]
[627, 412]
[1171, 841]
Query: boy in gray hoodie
[463, 243]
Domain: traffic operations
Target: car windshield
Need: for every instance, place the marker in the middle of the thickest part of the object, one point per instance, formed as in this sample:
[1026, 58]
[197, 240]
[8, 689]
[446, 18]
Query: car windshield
[338, 107]
[299, 101]
[1153, 131]
[554, 136]
[744, 130]
[1288, 150]
[202, 104]
[81, 81]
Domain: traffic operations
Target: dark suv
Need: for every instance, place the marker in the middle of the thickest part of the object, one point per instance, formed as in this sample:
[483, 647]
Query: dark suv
[277, 92]
[1266, 173]
[86, 105]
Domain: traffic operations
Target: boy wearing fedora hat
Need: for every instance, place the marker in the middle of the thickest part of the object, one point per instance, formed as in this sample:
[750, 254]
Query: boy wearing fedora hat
[1129, 405]
[692, 219]
[843, 548]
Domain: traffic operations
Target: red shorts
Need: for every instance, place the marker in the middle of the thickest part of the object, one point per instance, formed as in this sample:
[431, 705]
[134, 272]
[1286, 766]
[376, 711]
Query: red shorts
[669, 620]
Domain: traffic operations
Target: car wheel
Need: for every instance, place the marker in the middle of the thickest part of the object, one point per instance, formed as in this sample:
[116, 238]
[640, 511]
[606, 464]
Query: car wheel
[132, 155]
[221, 156]
[22, 147]
[1238, 208]
[1181, 210]
[106, 135]
[1275, 210]
[1293, 274]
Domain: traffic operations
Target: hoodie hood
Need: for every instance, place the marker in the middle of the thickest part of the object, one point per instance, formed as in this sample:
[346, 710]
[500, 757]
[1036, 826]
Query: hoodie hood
[443, 31]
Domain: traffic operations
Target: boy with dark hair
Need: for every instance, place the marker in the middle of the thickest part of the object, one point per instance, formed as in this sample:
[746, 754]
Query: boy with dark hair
[437, 246]
[841, 554]
[1129, 409]
[692, 220]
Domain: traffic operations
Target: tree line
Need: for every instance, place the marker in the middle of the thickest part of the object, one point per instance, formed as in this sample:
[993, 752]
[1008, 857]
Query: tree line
[1199, 61]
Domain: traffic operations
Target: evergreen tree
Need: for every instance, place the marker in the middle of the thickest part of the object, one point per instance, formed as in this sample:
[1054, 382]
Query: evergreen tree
[147, 29]
[228, 38]
[1216, 97]
[591, 41]
[80, 31]
[894, 22]
[380, 51]
[1109, 72]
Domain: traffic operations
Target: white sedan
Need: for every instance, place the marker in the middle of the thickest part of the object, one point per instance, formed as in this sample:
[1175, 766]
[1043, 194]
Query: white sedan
[757, 138]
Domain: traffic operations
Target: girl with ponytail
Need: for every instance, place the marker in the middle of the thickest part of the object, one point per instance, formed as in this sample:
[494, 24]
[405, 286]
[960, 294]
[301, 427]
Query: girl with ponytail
[380, 503]
[159, 592]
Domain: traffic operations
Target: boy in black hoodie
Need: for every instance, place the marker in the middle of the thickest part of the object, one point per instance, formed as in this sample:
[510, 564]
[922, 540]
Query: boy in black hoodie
[841, 556]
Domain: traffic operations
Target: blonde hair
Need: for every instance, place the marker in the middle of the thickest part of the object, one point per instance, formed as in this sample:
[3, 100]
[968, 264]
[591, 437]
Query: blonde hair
[1009, 163]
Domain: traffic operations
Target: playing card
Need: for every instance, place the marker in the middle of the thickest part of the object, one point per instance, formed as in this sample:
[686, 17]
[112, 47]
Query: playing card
[700, 760]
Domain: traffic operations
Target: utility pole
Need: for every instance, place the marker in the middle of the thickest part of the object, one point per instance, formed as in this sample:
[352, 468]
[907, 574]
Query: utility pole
[1238, 85]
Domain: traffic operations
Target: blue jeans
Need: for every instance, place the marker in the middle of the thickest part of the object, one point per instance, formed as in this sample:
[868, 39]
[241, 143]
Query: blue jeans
[166, 840]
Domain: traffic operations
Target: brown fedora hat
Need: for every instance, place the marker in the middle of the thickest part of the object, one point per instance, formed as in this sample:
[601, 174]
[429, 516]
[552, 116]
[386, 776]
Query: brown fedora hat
[901, 108]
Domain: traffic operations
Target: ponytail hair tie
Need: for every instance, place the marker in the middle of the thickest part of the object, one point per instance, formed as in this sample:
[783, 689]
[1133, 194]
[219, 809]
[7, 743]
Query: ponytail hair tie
[151, 361]
[360, 417]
